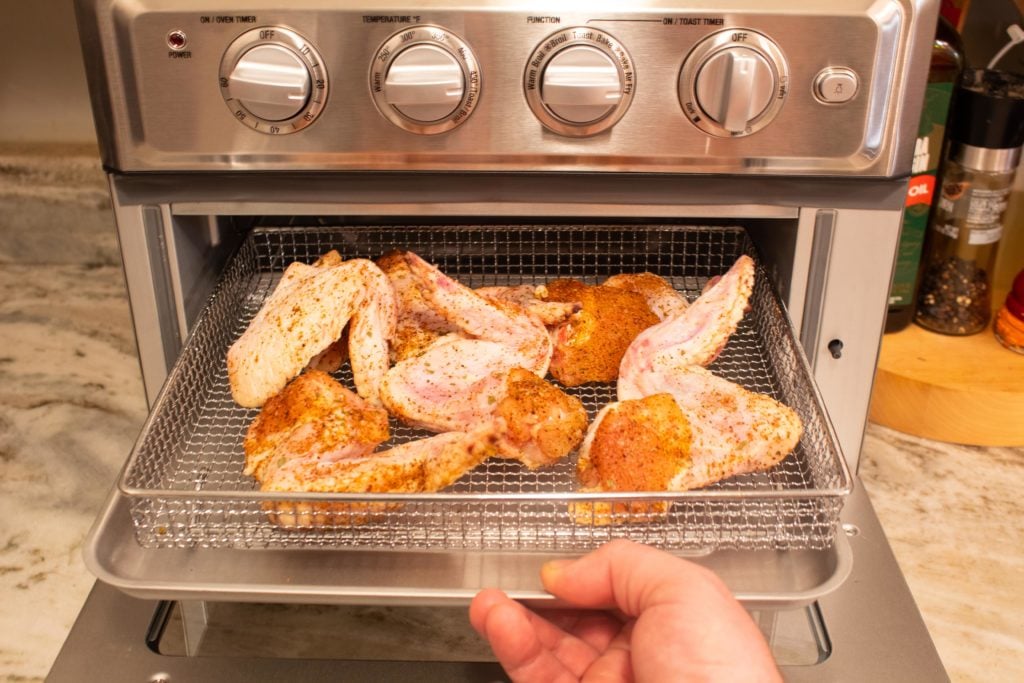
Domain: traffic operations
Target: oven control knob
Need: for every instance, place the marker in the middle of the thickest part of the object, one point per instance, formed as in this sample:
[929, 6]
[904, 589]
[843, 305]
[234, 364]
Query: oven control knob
[581, 85]
[424, 83]
[733, 83]
[579, 81]
[273, 80]
[425, 80]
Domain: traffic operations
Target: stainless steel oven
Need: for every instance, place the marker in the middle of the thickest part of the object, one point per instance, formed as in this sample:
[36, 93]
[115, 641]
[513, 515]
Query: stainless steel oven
[511, 144]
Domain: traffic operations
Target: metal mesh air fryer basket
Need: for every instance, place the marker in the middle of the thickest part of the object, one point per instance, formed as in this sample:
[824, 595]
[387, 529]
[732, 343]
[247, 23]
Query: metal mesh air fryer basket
[185, 480]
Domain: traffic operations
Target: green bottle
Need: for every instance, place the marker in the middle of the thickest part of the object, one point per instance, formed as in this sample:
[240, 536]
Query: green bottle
[946, 65]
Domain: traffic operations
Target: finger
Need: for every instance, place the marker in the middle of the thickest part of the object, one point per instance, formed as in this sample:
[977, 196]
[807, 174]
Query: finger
[596, 628]
[631, 577]
[616, 663]
[518, 648]
[574, 653]
[674, 601]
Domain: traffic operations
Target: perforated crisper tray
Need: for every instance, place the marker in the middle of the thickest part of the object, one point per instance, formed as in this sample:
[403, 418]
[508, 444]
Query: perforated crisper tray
[185, 483]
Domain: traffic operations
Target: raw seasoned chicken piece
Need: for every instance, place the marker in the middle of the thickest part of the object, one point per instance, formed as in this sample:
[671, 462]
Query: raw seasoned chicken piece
[533, 299]
[732, 431]
[304, 315]
[458, 380]
[589, 346]
[638, 445]
[694, 338]
[544, 423]
[415, 467]
[313, 417]
[418, 324]
[661, 297]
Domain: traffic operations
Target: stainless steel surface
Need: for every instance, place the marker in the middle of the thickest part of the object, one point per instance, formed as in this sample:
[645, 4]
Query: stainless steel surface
[984, 159]
[873, 630]
[185, 475]
[159, 114]
[853, 310]
[332, 575]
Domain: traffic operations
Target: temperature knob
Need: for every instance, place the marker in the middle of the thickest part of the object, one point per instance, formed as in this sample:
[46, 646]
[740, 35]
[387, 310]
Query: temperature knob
[579, 81]
[273, 80]
[733, 83]
[425, 80]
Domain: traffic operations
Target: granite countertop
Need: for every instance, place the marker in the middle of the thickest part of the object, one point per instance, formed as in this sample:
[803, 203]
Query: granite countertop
[71, 404]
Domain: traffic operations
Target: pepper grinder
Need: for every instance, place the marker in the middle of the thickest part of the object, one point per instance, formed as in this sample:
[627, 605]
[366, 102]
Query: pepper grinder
[986, 132]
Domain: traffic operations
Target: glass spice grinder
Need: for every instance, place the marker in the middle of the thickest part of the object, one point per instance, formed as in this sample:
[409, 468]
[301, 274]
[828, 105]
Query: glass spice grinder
[986, 132]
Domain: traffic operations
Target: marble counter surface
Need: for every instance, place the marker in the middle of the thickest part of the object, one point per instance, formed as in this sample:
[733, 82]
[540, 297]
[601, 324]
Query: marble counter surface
[71, 403]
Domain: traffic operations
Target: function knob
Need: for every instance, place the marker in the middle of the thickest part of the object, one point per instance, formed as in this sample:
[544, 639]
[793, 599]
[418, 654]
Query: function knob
[581, 84]
[273, 80]
[733, 83]
[425, 80]
[579, 81]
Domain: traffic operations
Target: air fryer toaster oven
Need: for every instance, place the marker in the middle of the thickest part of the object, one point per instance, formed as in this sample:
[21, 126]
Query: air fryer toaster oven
[508, 146]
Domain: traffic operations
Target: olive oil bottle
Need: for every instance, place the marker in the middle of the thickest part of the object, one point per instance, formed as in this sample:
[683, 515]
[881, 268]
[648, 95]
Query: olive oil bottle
[946, 65]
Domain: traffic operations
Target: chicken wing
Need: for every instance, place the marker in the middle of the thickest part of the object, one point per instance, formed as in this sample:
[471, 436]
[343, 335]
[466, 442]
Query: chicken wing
[426, 465]
[418, 324]
[588, 347]
[695, 337]
[702, 430]
[304, 315]
[314, 417]
[460, 378]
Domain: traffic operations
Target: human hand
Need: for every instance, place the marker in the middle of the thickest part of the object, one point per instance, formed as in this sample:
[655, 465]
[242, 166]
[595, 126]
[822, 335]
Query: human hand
[663, 619]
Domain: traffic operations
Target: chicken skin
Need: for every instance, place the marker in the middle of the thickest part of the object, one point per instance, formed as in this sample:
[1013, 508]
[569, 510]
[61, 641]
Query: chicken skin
[734, 431]
[316, 418]
[677, 426]
[661, 297]
[588, 347]
[459, 379]
[695, 337]
[637, 445]
[304, 315]
[544, 423]
[418, 324]
[421, 466]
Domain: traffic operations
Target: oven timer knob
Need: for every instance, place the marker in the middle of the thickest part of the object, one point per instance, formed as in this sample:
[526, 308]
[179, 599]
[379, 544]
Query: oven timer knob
[733, 83]
[425, 80]
[579, 81]
[273, 80]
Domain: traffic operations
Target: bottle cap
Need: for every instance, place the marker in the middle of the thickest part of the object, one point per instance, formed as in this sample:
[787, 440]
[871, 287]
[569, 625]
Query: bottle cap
[988, 109]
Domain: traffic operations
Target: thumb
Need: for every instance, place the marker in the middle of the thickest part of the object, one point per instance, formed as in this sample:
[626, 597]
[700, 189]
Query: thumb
[632, 578]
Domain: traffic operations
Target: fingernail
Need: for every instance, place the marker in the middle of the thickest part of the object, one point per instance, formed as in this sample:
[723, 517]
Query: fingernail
[552, 569]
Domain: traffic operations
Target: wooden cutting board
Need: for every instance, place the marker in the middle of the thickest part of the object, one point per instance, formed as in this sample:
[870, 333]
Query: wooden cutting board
[967, 390]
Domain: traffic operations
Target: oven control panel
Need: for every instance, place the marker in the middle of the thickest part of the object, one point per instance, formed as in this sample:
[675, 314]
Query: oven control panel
[826, 87]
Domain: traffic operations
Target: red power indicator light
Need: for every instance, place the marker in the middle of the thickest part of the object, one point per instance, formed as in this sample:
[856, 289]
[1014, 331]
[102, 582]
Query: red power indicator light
[177, 40]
